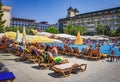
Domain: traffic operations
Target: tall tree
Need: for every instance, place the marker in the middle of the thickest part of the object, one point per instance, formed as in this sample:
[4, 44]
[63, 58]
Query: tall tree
[73, 30]
[117, 33]
[100, 29]
[112, 33]
[1, 19]
[52, 29]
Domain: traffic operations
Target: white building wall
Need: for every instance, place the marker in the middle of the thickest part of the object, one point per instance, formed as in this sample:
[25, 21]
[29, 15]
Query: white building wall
[7, 15]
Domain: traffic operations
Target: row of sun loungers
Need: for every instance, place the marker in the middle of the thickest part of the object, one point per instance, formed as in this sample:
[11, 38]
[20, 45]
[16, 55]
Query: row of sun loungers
[45, 59]
[90, 53]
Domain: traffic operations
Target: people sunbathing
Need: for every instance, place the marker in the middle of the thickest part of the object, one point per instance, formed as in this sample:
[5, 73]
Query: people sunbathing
[54, 51]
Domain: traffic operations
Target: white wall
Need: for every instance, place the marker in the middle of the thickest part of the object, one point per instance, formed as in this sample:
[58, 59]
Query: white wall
[7, 15]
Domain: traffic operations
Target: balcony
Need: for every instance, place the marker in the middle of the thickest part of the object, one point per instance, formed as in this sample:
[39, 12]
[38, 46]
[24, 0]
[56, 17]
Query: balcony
[91, 29]
[90, 25]
[95, 19]
[80, 21]
[85, 21]
[102, 19]
[118, 23]
[108, 18]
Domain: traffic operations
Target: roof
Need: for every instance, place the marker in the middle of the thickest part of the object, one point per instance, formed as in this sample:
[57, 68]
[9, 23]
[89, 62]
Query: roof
[76, 10]
[70, 9]
[6, 7]
[22, 19]
[94, 13]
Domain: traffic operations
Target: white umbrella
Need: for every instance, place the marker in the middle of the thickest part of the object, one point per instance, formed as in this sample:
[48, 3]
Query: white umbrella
[1, 34]
[24, 39]
[56, 41]
[44, 34]
[18, 38]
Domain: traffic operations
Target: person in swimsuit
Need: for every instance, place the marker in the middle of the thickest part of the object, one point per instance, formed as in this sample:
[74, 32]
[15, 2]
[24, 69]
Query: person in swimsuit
[98, 49]
[21, 50]
[54, 51]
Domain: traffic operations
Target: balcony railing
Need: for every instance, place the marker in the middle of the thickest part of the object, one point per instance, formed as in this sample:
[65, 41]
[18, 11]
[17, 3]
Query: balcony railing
[85, 20]
[95, 19]
[108, 18]
[91, 25]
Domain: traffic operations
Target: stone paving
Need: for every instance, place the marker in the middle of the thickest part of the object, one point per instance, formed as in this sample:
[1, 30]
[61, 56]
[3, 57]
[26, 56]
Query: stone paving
[97, 71]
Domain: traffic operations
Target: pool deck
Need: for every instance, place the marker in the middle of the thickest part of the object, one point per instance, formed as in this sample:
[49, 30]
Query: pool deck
[97, 71]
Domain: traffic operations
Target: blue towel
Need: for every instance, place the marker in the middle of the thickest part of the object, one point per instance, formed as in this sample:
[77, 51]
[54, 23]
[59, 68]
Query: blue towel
[6, 76]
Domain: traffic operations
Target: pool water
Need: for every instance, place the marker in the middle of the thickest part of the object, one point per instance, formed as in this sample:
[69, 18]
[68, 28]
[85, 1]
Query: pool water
[106, 49]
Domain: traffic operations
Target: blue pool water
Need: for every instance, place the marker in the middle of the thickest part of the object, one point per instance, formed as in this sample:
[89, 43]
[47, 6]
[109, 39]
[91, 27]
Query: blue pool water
[104, 48]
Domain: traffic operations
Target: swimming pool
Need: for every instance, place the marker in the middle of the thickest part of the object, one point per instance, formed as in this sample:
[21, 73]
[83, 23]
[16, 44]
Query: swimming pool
[104, 48]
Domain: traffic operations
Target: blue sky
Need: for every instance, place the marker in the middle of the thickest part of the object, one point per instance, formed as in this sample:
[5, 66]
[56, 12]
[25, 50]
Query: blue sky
[53, 10]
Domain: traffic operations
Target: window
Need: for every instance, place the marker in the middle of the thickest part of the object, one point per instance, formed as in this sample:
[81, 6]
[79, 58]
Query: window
[113, 11]
[79, 16]
[88, 14]
[99, 13]
[94, 13]
[113, 16]
[83, 15]
[105, 12]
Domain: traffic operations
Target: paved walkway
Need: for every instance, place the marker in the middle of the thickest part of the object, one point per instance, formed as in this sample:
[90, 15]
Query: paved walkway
[97, 71]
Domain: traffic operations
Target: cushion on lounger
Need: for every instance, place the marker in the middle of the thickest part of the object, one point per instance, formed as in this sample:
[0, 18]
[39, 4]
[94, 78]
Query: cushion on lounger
[64, 66]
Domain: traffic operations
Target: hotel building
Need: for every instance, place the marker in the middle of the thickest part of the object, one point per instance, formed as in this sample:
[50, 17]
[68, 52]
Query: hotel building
[108, 17]
[30, 23]
[20, 22]
[7, 15]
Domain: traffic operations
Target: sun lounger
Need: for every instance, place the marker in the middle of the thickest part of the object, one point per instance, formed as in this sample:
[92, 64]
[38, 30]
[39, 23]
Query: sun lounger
[60, 50]
[67, 68]
[44, 61]
[68, 51]
[29, 56]
[51, 61]
[75, 52]
[94, 55]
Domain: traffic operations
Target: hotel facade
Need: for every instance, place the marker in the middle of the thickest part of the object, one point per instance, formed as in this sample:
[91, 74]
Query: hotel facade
[7, 15]
[30, 23]
[108, 17]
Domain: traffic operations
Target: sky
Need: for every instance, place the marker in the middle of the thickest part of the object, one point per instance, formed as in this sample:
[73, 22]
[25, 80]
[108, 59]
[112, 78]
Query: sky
[52, 10]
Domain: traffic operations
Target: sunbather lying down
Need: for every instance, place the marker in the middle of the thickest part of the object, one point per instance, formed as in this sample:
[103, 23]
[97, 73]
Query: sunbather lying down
[67, 68]
[57, 59]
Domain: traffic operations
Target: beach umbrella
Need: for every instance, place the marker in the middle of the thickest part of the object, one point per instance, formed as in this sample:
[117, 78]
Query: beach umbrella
[78, 39]
[45, 34]
[11, 35]
[1, 35]
[18, 38]
[56, 41]
[24, 39]
[40, 39]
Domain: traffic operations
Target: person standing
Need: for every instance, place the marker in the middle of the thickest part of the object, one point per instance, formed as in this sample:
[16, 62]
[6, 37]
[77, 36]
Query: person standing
[98, 49]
